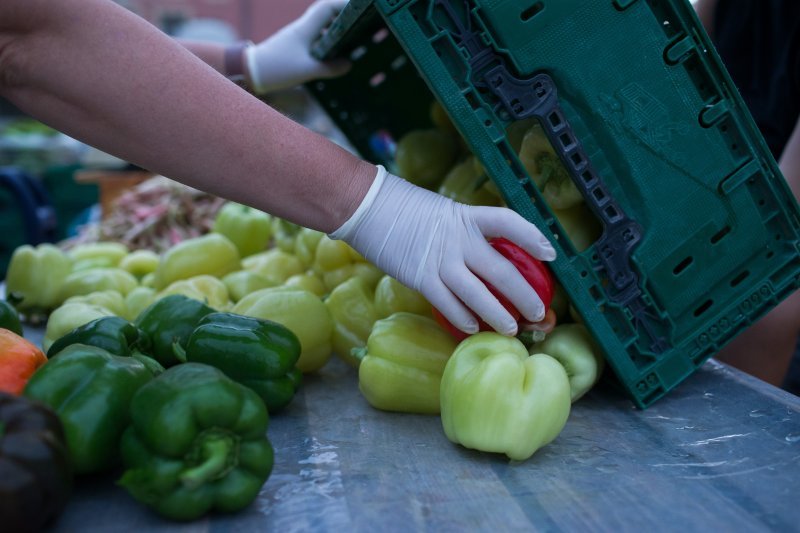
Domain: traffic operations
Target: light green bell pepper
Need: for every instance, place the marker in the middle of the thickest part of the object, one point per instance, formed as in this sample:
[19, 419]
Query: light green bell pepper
[247, 228]
[495, 397]
[573, 347]
[302, 312]
[36, 276]
[402, 364]
[212, 254]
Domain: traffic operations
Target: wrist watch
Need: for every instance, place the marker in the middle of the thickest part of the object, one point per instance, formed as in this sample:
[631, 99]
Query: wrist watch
[234, 62]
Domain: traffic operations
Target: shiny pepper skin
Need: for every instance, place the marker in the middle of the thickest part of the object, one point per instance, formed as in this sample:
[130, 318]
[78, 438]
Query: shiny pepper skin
[19, 359]
[495, 397]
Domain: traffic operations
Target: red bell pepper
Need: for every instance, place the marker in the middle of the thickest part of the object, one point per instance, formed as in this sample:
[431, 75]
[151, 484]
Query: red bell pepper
[535, 273]
[19, 359]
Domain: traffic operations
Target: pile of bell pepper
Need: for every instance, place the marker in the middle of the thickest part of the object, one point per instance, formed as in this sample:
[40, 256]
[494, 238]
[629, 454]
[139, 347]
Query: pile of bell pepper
[494, 393]
[498, 394]
[114, 389]
[140, 345]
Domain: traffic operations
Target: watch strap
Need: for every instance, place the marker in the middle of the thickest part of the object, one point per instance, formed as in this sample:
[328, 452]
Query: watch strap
[234, 61]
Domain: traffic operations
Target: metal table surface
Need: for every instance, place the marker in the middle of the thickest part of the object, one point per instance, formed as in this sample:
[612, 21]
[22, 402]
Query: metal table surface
[721, 452]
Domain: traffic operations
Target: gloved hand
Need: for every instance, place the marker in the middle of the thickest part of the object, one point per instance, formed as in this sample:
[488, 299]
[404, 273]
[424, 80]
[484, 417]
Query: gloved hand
[439, 247]
[284, 60]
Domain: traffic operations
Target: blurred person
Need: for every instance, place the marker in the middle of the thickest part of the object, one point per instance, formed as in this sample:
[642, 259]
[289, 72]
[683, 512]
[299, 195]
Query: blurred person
[759, 43]
[103, 75]
[282, 60]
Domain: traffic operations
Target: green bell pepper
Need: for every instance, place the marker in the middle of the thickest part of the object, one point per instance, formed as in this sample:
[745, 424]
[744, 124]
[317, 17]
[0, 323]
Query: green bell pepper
[336, 261]
[90, 390]
[276, 265]
[137, 301]
[305, 245]
[284, 234]
[111, 333]
[212, 254]
[307, 281]
[9, 318]
[547, 171]
[401, 367]
[423, 156]
[392, 297]
[97, 255]
[464, 183]
[302, 312]
[140, 263]
[205, 288]
[495, 397]
[573, 347]
[355, 307]
[351, 306]
[259, 354]
[580, 225]
[243, 282]
[98, 279]
[247, 228]
[68, 317]
[197, 443]
[35, 276]
[109, 298]
[170, 321]
[149, 280]
[515, 132]
[115, 335]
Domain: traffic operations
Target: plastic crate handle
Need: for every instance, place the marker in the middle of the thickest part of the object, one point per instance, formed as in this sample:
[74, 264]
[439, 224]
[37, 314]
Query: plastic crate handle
[537, 97]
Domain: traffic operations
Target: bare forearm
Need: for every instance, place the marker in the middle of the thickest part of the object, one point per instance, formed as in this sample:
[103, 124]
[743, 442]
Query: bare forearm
[212, 54]
[70, 63]
[765, 350]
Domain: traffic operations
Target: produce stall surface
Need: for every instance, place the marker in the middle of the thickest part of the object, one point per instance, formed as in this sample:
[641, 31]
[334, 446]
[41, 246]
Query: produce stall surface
[721, 452]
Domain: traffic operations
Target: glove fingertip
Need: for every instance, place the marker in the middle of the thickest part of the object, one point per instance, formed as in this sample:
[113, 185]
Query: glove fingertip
[470, 327]
[547, 252]
[337, 67]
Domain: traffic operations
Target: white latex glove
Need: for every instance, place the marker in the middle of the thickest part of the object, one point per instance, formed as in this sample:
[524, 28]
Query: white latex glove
[438, 247]
[284, 60]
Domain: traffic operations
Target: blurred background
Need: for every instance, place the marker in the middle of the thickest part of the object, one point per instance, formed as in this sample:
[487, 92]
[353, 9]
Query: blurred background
[52, 186]
[218, 20]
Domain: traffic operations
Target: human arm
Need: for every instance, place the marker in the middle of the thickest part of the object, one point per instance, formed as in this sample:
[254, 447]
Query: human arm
[211, 53]
[790, 161]
[155, 105]
[281, 61]
[69, 64]
[765, 349]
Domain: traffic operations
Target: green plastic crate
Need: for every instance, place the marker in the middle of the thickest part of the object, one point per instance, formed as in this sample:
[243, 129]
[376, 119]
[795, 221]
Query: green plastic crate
[701, 234]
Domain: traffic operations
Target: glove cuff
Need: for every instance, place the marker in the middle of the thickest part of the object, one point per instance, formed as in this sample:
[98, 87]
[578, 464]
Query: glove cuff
[254, 76]
[352, 223]
[234, 60]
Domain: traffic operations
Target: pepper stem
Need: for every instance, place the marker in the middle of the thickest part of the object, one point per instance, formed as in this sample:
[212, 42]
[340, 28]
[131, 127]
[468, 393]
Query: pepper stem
[180, 353]
[546, 165]
[358, 353]
[149, 363]
[528, 338]
[215, 454]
